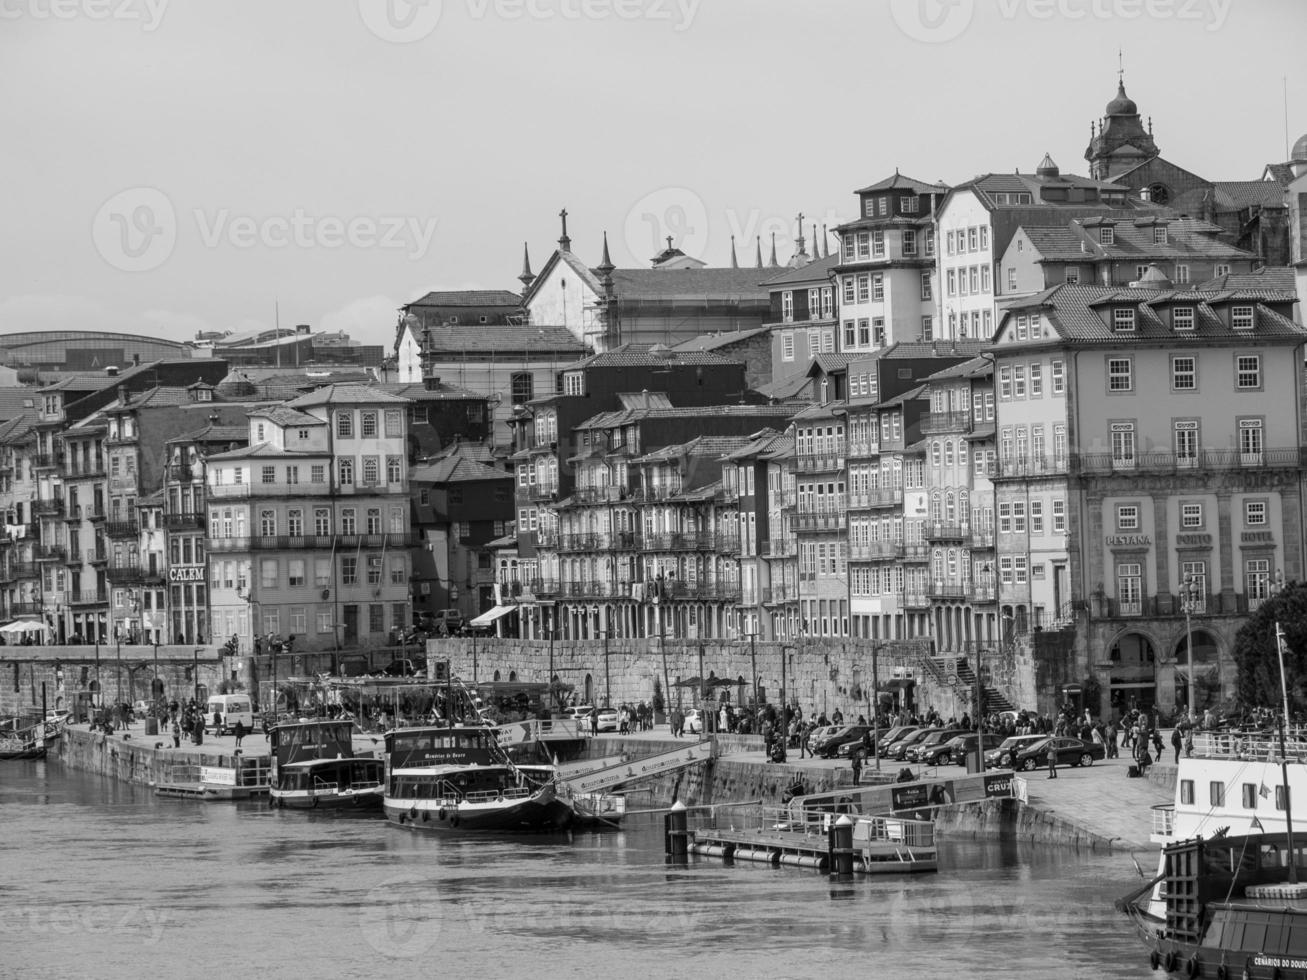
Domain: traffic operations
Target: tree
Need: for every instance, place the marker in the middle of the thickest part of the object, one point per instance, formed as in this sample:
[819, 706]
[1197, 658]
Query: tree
[1258, 683]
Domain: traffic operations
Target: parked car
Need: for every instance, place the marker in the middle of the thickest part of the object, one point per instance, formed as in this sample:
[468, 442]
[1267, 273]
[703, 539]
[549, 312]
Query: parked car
[578, 712]
[829, 745]
[405, 668]
[693, 724]
[450, 621]
[849, 742]
[900, 748]
[819, 733]
[1070, 752]
[964, 745]
[932, 749]
[894, 737]
[609, 721]
[1001, 757]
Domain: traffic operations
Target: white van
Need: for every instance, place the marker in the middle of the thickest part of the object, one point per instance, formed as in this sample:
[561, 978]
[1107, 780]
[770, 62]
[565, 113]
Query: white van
[232, 708]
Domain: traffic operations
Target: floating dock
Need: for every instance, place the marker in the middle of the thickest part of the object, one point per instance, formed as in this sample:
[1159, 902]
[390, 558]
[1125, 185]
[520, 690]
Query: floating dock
[215, 783]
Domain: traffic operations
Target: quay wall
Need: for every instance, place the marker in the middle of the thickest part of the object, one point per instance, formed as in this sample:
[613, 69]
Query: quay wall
[142, 759]
[1011, 820]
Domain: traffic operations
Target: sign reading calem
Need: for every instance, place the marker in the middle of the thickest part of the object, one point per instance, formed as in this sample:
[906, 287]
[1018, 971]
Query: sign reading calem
[186, 573]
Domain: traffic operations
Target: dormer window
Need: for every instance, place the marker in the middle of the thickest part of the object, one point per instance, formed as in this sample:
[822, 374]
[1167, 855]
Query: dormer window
[203, 395]
[1182, 318]
[1241, 318]
[1106, 236]
[1123, 319]
[1159, 235]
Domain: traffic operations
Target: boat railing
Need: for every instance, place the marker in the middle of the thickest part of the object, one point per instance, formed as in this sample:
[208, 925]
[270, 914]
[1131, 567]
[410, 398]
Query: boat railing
[898, 831]
[364, 784]
[492, 795]
[254, 772]
[183, 772]
[322, 788]
[1164, 819]
[1249, 746]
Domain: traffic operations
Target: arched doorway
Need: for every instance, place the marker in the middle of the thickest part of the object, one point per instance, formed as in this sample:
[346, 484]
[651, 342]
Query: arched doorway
[589, 689]
[1206, 671]
[1133, 680]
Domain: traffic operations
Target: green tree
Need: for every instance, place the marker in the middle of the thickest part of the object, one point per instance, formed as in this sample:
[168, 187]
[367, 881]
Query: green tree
[1258, 683]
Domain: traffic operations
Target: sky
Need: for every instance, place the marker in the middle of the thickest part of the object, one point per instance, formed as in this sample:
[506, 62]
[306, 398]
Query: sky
[174, 166]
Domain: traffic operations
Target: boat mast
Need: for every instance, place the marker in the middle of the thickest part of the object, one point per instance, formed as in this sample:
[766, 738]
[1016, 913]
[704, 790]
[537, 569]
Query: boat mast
[1284, 757]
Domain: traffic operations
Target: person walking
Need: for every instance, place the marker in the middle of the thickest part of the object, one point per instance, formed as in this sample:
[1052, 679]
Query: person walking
[1052, 759]
[176, 734]
[239, 731]
[856, 761]
[1177, 740]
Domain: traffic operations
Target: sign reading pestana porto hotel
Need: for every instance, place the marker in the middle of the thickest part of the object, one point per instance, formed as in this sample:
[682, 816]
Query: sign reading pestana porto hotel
[185, 573]
[1128, 540]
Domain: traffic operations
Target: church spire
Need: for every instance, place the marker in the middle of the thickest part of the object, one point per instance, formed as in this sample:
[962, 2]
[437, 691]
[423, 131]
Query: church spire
[816, 244]
[527, 276]
[735, 263]
[773, 263]
[759, 260]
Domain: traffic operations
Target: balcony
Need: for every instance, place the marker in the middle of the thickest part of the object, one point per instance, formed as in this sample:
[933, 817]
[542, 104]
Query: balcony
[882, 497]
[916, 551]
[125, 574]
[85, 471]
[702, 591]
[1167, 461]
[780, 548]
[938, 531]
[45, 461]
[780, 593]
[228, 491]
[52, 552]
[598, 495]
[93, 557]
[116, 530]
[947, 590]
[91, 598]
[48, 508]
[544, 586]
[20, 570]
[180, 473]
[183, 522]
[862, 450]
[726, 544]
[1028, 467]
[582, 542]
[820, 518]
[311, 542]
[595, 589]
[542, 492]
[940, 422]
[916, 600]
[819, 463]
[984, 593]
[875, 550]
[25, 608]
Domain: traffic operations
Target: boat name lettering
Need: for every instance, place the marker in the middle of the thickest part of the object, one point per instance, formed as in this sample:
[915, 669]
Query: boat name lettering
[1193, 539]
[1280, 962]
[1257, 537]
[1118, 540]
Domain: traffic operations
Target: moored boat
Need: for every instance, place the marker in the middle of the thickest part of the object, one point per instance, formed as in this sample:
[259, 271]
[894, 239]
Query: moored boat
[314, 767]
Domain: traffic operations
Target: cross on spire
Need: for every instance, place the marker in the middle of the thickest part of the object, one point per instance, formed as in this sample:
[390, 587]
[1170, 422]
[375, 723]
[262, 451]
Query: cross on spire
[669, 243]
[564, 243]
[1120, 66]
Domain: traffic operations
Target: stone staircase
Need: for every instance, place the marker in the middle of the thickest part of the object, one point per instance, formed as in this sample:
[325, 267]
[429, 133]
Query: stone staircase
[992, 698]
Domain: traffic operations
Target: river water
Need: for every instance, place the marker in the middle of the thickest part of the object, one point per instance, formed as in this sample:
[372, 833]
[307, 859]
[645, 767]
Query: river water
[103, 880]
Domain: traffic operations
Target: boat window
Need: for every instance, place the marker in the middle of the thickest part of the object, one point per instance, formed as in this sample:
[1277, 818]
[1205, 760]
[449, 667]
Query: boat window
[1216, 792]
[1250, 796]
[1279, 797]
[1187, 791]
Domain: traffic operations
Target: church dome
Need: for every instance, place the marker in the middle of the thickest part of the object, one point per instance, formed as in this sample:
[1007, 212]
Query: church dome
[1299, 154]
[1122, 105]
[1047, 168]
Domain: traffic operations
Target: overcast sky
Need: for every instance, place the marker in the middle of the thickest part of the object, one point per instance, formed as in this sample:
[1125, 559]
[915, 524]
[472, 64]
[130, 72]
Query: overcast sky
[176, 166]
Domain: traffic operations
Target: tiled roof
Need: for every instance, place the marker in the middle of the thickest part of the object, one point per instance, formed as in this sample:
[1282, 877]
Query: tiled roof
[907, 396]
[760, 443]
[265, 450]
[1279, 277]
[783, 389]
[469, 297]
[644, 399]
[834, 362]
[421, 393]
[1282, 172]
[711, 446]
[214, 433]
[607, 420]
[716, 341]
[346, 394]
[285, 415]
[690, 284]
[977, 367]
[153, 398]
[491, 339]
[901, 182]
[938, 348]
[1252, 193]
[1133, 241]
[1071, 312]
[649, 355]
[817, 271]
[14, 431]
[456, 469]
[17, 401]
[81, 382]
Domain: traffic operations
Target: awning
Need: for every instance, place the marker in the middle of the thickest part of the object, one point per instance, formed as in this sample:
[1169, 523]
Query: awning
[486, 618]
[22, 626]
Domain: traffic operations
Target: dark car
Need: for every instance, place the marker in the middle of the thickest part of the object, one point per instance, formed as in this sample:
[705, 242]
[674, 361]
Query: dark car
[405, 668]
[894, 737]
[1001, 757]
[900, 748]
[933, 749]
[829, 746]
[966, 744]
[1070, 752]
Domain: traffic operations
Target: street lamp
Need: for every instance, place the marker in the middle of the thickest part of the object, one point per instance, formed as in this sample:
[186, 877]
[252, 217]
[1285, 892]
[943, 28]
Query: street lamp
[1191, 601]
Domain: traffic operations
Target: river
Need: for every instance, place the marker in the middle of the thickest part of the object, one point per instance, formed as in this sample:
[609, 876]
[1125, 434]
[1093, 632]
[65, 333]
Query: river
[104, 880]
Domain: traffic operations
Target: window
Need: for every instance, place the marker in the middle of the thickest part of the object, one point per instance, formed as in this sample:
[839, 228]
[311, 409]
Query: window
[1127, 517]
[394, 423]
[1222, 270]
[371, 471]
[1181, 274]
[376, 618]
[1036, 380]
[1072, 275]
[1257, 578]
[927, 327]
[292, 475]
[1241, 317]
[878, 238]
[345, 472]
[374, 520]
[368, 425]
[522, 387]
[1216, 792]
[348, 521]
[864, 288]
[1254, 513]
[1019, 381]
[925, 285]
[1191, 515]
[1123, 319]
[349, 570]
[268, 474]
[1036, 517]
[1107, 236]
[1059, 378]
[397, 520]
[1184, 373]
[878, 288]
[295, 572]
[325, 621]
[1120, 374]
[1187, 792]
[1005, 384]
[321, 521]
[1186, 442]
[1182, 318]
[268, 573]
[787, 346]
[787, 306]
[397, 576]
[1123, 445]
[1005, 518]
[1248, 371]
[267, 523]
[394, 469]
[1011, 279]
[318, 473]
[344, 425]
[1159, 234]
[864, 332]
[1059, 516]
[909, 241]
[849, 285]
[1250, 441]
[1129, 588]
[321, 572]
[374, 569]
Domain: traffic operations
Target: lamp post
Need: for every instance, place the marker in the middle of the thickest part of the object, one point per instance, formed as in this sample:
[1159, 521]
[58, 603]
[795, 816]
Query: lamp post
[1284, 759]
[1191, 601]
[195, 673]
[118, 669]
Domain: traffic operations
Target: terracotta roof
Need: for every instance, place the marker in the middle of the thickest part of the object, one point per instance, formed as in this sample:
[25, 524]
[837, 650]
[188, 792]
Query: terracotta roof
[456, 469]
[346, 394]
[265, 450]
[285, 415]
[491, 339]
[468, 298]
[1282, 172]
[762, 443]
[716, 341]
[977, 367]
[816, 272]
[783, 389]
[1279, 277]
[712, 446]
[608, 420]
[688, 284]
[17, 401]
[1133, 241]
[649, 355]
[214, 433]
[1252, 193]
[902, 182]
[421, 393]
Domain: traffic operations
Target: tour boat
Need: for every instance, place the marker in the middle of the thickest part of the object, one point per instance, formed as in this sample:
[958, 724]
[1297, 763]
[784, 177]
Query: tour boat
[314, 767]
[1222, 904]
[455, 780]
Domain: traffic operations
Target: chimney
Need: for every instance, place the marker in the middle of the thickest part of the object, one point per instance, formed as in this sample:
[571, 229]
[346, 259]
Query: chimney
[302, 329]
[122, 394]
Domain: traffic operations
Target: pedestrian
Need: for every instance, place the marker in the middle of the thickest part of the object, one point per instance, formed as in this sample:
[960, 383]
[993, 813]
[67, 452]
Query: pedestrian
[1052, 759]
[1177, 740]
[176, 734]
[239, 731]
[1110, 738]
[1189, 743]
[855, 758]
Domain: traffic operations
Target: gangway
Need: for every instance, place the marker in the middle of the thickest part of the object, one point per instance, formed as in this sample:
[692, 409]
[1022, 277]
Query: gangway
[643, 768]
[540, 730]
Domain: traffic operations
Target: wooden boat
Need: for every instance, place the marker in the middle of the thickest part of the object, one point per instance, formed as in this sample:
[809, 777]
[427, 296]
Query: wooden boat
[314, 768]
[458, 780]
[18, 747]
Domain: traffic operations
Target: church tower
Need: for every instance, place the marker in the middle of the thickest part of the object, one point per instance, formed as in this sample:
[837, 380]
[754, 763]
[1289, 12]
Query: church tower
[1121, 142]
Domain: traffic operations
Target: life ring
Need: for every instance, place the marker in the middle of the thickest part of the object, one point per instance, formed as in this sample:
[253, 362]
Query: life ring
[1154, 959]
[442, 813]
[1170, 961]
[1192, 967]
